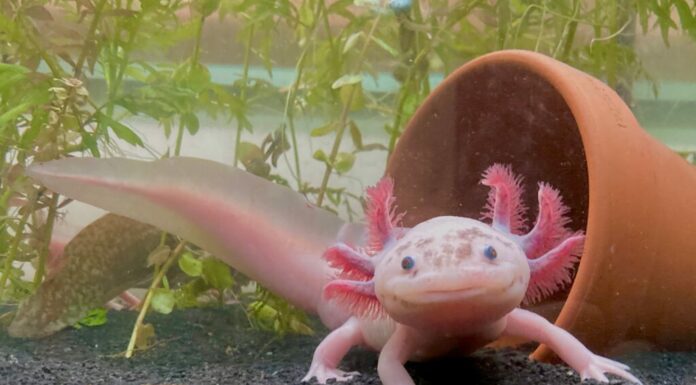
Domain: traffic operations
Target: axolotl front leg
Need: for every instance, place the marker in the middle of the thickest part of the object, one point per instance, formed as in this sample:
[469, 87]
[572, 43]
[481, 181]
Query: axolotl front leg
[523, 323]
[331, 351]
[390, 366]
[406, 341]
[401, 343]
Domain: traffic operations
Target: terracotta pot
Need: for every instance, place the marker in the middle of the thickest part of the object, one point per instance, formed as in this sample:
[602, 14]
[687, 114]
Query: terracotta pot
[636, 199]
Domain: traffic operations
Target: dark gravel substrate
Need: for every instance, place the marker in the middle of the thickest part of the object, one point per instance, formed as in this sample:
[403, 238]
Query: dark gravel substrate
[216, 346]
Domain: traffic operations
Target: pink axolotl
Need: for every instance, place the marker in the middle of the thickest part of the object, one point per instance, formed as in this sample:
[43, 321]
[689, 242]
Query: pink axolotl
[447, 285]
[453, 284]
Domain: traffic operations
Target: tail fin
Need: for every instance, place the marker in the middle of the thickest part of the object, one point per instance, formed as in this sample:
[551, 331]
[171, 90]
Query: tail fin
[266, 231]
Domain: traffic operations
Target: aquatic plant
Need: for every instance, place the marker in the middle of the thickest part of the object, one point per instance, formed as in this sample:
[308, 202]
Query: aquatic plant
[74, 71]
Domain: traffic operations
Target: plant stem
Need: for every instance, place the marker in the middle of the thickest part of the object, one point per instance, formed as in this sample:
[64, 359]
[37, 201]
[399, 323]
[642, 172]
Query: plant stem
[45, 247]
[288, 115]
[410, 81]
[90, 36]
[194, 62]
[343, 119]
[542, 24]
[50, 61]
[327, 25]
[120, 72]
[12, 253]
[197, 47]
[174, 254]
[243, 91]
[179, 139]
[148, 297]
[611, 52]
[394, 134]
[568, 37]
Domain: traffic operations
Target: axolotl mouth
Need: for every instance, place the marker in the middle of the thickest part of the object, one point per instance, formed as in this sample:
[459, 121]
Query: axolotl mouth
[457, 287]
[453, 295]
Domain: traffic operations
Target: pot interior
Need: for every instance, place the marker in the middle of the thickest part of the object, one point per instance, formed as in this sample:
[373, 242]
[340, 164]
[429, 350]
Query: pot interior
[491, 113]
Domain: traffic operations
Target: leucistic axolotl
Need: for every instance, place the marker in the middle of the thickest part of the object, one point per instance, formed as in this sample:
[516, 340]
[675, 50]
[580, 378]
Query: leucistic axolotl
[450, 285]
[269, 232]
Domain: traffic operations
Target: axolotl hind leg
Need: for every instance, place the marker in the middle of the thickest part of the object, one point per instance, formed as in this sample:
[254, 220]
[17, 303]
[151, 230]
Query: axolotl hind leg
[332, 349]
[524, 323]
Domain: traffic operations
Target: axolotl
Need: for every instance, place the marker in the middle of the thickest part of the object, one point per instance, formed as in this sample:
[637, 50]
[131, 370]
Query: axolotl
[448, 285]
[451, 285]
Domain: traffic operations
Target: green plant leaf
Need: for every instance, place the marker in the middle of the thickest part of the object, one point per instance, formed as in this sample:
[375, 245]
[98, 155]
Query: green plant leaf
[191, 123]
[217, 274]
[346, 80]
[5, 67]
[163, 301]
[145, 337]
[95, 317]
[324, 130]
[299, 327]
[503, 10]
[198, 77]
[382, 44]
[320, 156]
[158, 256]
[351, 41]
[121, 130]
[355, 135]
[344, 162]
[249, 152]
[354, 94]
[190, 265]
[373, 146]
[13, 113]
[10, 78]
[31, 134]
[206, 7]
[253, 159]
[686, 17]
[187, 295]
[264, 313]
[89, 141]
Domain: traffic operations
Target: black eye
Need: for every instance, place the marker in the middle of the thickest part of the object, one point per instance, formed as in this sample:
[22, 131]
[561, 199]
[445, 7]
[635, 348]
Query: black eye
[407, 263]
[490, 252]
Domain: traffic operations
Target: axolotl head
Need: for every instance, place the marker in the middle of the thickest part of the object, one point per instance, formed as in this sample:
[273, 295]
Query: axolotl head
[451, 273]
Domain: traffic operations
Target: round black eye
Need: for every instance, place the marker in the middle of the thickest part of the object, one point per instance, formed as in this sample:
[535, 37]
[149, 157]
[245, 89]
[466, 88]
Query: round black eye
[490, 252]
[407, 263]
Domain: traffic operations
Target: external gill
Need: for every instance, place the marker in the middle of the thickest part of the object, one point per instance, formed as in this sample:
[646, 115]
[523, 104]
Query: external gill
[504, 207]
[355, 287]
[351, 263]
[380, 213]
[551, 248]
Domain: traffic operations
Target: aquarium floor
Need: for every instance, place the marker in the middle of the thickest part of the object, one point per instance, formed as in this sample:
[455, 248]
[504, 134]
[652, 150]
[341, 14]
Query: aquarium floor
[216, 346]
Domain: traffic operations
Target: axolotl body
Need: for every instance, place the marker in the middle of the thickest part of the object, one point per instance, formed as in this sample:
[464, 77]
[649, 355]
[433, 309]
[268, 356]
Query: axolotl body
[451, 285]
[447, 285]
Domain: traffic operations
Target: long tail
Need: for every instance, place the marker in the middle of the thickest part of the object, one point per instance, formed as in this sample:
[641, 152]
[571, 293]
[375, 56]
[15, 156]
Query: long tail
[266, 231]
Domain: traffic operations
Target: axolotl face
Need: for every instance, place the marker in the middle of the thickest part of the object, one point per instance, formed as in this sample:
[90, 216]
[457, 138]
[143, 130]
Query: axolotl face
[451, 273]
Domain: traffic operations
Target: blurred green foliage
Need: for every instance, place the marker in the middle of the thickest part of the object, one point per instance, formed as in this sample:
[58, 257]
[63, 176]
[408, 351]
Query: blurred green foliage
[49, 50]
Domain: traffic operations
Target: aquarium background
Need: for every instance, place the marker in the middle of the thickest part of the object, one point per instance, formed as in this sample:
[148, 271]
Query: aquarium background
[306, 93]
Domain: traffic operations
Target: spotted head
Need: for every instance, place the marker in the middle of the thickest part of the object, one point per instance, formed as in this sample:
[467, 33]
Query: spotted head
[451, 272]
